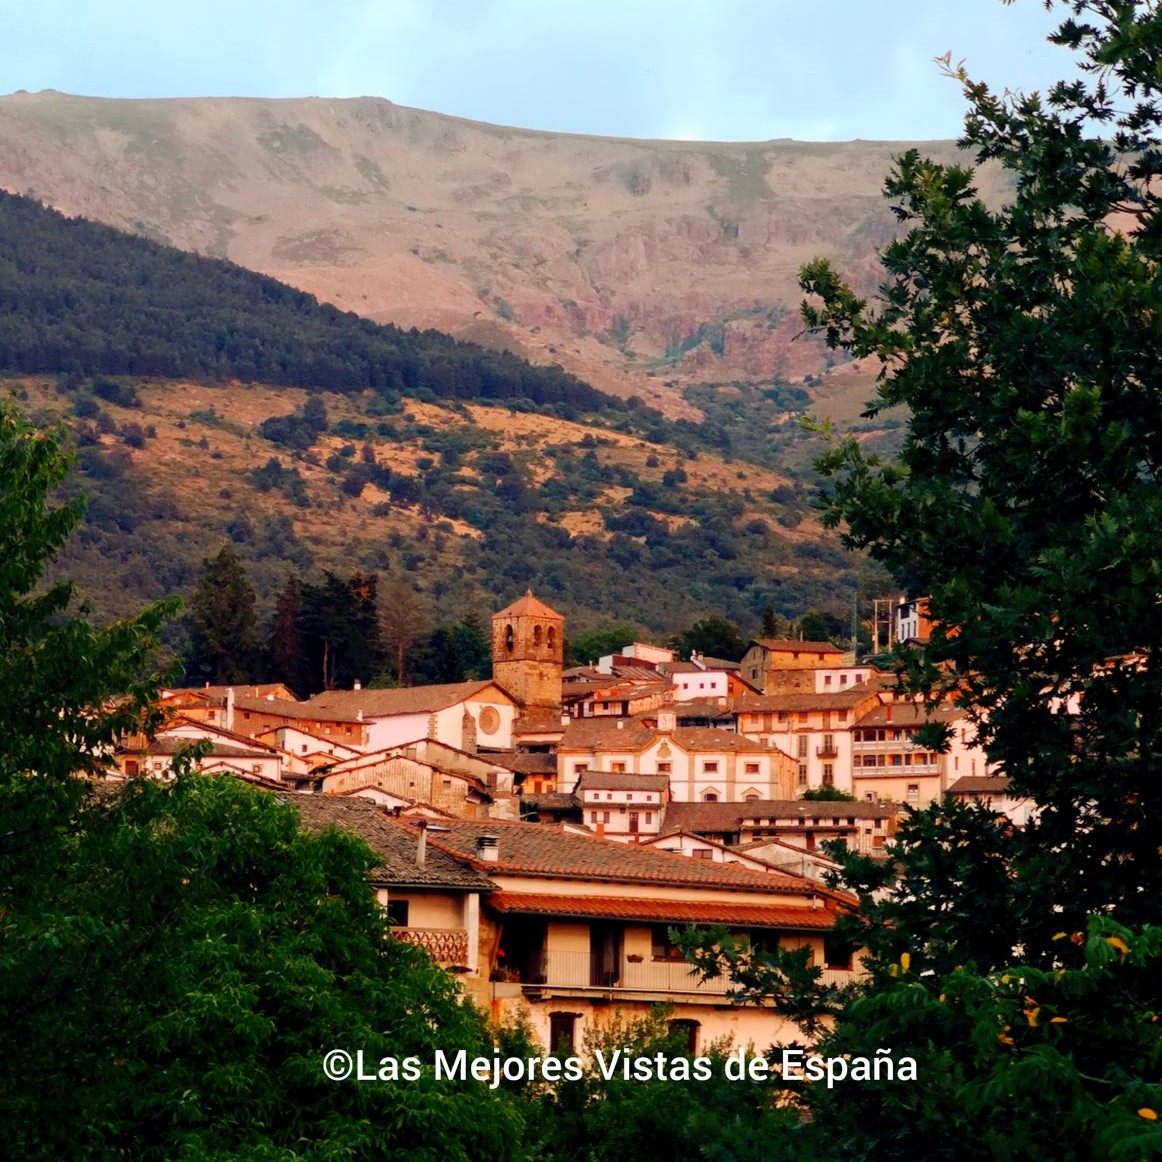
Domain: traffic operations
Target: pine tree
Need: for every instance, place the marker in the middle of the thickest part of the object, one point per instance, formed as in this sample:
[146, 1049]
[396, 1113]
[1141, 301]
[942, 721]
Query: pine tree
[223, 624]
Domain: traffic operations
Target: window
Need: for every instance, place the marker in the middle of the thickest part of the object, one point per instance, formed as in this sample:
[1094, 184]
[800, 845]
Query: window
[536, 635]
[664, 768]
[826, 679]
[829, 774]
[661, 947]
[562, 1030]
[702, 853]
[649, 798]
[508, 638]
[802, 746]
[649, 817]
[802, 774]
[606, 817]
[397, 913]
[913, 796]
[580, 768]
[752, 768]
[710, 797]
[617, 768]
[710, 768]
[629, 797]
[448, 785]
[685, 1032]
[843, 679]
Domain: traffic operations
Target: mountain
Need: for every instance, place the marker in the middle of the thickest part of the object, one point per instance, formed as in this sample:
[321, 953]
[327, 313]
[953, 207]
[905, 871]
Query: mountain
[658, 269]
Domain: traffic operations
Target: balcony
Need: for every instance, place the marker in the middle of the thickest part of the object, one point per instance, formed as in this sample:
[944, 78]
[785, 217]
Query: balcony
[448, 947]
[827, 751]
[580, 971]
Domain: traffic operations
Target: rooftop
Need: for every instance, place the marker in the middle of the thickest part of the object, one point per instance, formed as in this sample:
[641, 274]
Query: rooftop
[394, 843]
[386, 703]
[663, 911]
[529, 606]
[550, 851]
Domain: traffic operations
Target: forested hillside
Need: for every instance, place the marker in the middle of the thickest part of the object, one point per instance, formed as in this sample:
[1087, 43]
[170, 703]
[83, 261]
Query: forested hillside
[212, 406]
[84, 299]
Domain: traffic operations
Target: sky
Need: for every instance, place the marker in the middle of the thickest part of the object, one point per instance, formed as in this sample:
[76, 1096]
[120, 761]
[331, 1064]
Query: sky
[724, 70]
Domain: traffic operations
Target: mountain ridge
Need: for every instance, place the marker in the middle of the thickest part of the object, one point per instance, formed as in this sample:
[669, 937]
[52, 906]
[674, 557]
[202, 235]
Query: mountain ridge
[645, 267]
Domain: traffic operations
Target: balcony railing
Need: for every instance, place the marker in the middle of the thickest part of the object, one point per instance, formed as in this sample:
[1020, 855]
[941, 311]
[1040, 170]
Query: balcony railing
[447, 946]
[578, 970]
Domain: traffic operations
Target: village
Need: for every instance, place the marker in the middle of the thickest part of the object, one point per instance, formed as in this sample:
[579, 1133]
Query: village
[543, 834]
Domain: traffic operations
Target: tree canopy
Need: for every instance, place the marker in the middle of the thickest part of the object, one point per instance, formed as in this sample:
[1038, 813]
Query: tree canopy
[1026, 504]
[177, 956]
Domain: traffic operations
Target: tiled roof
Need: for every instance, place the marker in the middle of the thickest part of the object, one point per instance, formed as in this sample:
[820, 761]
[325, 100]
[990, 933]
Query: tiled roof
[720, 664]
[980, 785]
[662, 911]
[525, 764]
[394, 844]
[385, 703]
[280, 708]
[529, 606]
[587, 733]
[910, 713]
[714, 817]
[707, 738]
[837, 700]
[615, 781]
[551, 801]
[545, 850]
[595, 734]
[170, 744]
[782, 645]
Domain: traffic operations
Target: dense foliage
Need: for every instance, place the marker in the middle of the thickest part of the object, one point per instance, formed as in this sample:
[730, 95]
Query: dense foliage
[1021, 964]
[176, 957]
[86, 299]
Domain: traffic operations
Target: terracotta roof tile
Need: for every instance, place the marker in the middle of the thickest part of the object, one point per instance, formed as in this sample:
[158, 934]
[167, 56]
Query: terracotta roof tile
[529, 606]
[837, 700]
[393, 843]
[980, 785]
[714, 817]
[616, 781]
[783, 645]
[385, 703]
[538, 849]
[663, 911]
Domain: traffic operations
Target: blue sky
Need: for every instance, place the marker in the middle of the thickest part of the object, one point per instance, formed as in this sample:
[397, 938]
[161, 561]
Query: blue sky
[698, 69]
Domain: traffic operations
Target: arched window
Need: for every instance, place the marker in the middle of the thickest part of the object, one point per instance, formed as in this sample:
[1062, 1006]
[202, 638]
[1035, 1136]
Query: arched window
[537, 636]
[552, 637]
[710, 797]
[508, 638]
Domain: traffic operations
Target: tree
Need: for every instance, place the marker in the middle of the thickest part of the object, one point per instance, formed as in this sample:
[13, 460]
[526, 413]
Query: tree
[200, 955]
[177, 956]
[713, 636]
[1027, 505]
[224, 646]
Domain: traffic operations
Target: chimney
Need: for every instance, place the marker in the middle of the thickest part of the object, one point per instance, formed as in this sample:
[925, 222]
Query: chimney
[358, 685]
[422, 843]
[487, 849]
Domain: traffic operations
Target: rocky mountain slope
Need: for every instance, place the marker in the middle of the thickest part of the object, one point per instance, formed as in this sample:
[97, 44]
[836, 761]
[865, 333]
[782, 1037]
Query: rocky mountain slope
[646, 267]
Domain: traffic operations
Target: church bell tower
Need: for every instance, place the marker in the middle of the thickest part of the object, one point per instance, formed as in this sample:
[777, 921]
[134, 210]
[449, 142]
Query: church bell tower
[528, 653]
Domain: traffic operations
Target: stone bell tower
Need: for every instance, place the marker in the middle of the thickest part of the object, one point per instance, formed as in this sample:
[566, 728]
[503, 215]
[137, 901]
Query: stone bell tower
[528, 653]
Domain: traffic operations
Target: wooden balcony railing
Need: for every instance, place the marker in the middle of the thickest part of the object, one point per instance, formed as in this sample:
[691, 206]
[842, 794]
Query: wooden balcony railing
[447, 946]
